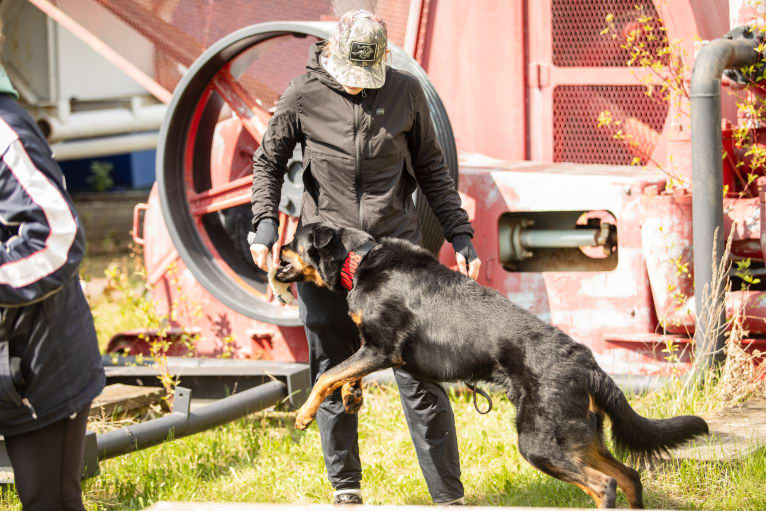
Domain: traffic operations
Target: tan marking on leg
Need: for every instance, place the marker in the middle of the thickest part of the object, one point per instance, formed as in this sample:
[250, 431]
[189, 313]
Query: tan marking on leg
[325, 386]
[592, 406]
[599, 501]
[627, 479]
[594, 483]
[356, 317]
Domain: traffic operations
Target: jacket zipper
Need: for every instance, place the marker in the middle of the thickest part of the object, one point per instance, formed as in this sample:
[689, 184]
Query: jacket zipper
[29, 406]
[358, 146]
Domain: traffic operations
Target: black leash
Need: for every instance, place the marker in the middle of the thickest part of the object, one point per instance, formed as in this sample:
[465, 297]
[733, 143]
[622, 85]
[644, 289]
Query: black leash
[475, 391]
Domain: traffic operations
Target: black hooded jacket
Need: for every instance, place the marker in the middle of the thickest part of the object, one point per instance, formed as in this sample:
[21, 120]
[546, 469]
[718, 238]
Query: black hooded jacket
[50, 366]
[363, 156]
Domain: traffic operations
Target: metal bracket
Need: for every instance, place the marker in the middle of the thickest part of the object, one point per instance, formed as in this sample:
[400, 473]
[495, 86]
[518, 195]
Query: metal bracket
[182, 401]
[737, 75]
[298, 387]
[90, 466]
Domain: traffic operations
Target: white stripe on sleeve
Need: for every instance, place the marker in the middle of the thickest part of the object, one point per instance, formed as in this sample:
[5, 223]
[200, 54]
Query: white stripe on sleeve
[61, 222]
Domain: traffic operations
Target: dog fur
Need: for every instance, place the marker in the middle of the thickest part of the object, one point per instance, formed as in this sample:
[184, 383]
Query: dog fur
[440, 325]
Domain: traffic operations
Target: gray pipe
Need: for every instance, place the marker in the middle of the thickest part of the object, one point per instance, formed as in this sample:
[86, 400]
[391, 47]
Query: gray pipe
[707, 186]
[102, 146]
[183, 423]
[561, 238]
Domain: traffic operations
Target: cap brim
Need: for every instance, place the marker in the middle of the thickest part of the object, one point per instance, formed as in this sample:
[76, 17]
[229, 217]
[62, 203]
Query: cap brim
[352, 75]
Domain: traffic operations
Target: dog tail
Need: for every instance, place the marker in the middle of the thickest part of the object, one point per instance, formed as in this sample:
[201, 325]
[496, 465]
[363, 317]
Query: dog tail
[634, 433]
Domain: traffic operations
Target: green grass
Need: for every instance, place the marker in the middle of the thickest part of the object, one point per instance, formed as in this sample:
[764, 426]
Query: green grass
[264, 459]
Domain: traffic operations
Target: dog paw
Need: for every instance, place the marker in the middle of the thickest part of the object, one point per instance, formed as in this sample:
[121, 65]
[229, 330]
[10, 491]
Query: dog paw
[303, 419]
[352, 397]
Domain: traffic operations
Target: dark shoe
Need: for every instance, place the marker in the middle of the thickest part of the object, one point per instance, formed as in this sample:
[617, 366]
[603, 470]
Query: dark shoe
[456, 502]
[347, 498]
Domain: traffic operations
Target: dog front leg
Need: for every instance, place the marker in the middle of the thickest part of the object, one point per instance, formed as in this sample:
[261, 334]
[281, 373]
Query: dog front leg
[365, 361]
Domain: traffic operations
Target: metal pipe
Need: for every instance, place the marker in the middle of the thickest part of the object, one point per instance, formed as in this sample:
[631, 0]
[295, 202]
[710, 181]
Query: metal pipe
[105, 145]
[179, 424]
[561, 238]
[97, 123]
[413, 27]
[707, 187]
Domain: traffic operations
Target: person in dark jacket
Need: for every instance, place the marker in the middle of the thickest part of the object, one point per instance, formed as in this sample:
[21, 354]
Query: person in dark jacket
[50, 365]
[368, 141]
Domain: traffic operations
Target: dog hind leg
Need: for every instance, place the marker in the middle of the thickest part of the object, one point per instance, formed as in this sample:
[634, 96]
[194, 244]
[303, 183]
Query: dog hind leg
[544, 453]
[365, 361]
[569, 468]
[599, 458]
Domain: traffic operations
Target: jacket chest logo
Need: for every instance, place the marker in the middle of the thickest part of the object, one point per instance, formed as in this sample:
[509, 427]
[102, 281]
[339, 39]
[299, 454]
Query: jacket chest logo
[362, 52]
[380, 111]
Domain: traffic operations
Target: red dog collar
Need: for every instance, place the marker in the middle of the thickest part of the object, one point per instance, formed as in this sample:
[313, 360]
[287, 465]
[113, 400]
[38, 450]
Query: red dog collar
[353, 258]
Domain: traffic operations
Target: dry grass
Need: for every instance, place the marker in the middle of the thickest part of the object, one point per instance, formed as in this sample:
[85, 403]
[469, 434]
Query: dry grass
[739, 377]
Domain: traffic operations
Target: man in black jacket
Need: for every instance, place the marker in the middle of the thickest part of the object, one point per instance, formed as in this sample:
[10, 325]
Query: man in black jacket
[50, 365]
[368, 141]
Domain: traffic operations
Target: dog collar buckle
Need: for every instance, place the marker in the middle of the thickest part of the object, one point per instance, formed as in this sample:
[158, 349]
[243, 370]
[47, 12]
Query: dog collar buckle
[353, 258]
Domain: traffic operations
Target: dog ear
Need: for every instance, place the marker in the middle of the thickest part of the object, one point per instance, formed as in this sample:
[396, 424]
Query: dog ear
[322, 236]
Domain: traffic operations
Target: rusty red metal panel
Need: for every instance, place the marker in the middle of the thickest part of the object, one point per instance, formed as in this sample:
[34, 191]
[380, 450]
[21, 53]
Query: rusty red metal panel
[474, 55]
[589, 306]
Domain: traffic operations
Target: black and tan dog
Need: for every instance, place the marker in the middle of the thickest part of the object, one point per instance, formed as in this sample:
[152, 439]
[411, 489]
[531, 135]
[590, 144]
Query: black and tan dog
[416, 313]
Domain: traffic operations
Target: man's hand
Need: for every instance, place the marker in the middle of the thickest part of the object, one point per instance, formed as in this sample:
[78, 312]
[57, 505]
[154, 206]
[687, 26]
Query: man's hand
[260, 255]
[471, 269]
[261, 242]
[468, 261]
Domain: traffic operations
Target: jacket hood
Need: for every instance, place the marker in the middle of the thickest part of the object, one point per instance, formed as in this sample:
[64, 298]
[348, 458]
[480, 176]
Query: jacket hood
[314, 67]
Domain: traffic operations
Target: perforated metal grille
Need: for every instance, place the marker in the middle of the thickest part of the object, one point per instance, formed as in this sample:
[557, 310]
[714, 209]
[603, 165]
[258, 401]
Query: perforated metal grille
[577, 25]
[268, 67]
[163, 37]
[637, 121]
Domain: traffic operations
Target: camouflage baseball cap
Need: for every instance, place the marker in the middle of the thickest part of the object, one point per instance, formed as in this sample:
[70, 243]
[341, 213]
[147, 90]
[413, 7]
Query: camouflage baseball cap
[357, 51]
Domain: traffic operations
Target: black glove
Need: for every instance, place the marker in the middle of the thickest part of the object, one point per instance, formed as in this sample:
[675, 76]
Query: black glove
[464, 246]
[265, 234]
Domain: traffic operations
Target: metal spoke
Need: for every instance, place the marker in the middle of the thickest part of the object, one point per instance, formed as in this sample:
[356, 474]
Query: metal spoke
[254, 118]
[233, 193]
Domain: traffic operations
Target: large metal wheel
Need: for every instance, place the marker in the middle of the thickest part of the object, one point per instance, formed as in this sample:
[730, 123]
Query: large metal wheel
[205, 184]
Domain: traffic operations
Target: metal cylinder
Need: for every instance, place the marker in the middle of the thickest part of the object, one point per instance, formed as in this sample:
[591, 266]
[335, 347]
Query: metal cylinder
[707, 188]
[561, 238]
[98, 123]
[178, 424]
[102, 146]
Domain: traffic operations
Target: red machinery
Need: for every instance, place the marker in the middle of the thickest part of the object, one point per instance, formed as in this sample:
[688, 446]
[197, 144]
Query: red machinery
[565, 226]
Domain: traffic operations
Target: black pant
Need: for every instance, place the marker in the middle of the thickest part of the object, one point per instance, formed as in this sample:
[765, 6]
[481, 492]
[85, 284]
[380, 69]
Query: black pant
[47, 464]
[332, 338]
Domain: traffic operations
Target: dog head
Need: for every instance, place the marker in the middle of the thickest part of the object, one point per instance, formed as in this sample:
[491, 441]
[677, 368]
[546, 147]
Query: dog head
[316, 254]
